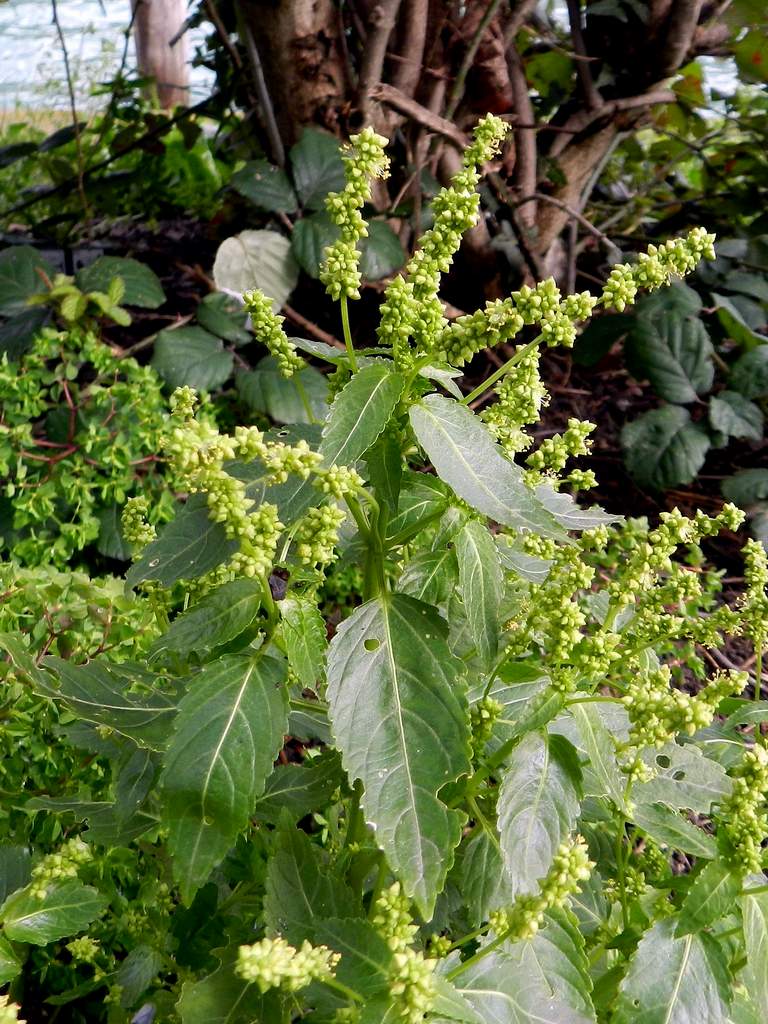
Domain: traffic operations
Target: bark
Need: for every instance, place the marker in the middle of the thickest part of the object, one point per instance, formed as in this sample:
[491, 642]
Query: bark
[162, 49]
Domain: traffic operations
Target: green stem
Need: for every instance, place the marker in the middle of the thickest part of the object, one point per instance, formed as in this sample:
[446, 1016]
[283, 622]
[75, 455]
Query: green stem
[348, 334]
[469, 937]
[497, 374]
[302, 393]
[758, 670]
[466, 964]
[345, 990]
[355, 815]
[378, 885]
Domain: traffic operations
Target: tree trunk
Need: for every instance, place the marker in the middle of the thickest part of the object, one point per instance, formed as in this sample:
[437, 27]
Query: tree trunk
[162, 50]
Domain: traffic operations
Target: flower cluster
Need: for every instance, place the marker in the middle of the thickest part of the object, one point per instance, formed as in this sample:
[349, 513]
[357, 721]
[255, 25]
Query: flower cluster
[754, 604]
[495, 325]
[268, 328]
[338, 481]
[520, 397]
[412, 306]
[483, 716]
[273, 963]
[570, 867]
[64, 863]
[411, 980]
[364, 160]
[745, 824]
[318, 534]
[554, 452]
[657, 712]
[656, 267]
[136, 530]
[85, 949]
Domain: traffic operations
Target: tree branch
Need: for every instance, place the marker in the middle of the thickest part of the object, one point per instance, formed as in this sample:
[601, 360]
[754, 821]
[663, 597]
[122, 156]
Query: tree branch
[380, 25]
[592, 97]
[413, 31]
[420, 114]
[582, 119]
[457, 89]
[677, 35]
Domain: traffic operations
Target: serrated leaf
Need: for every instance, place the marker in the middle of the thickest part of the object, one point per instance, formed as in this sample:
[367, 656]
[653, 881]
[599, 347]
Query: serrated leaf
[399, 718]
[422, 500]
[601, 750]
[735, 416]
[712, 896]
[22, 274]
[136, 973]
[359, 414]
[734, 324]
[365, 956]
[18, 333]
[257, 259]
[430, 576]
[755, 975]
[302, 889]
[481, 585]
[300, 789]
[674, 980]
[467, 458]
[537, 808]
[67, 908]
[684, 778]
[142, 285]
[746, 487]
[310, 238]
[189, 546]
[224, 316]
[15, 868]
[218, 617]
[381, 251]
[564, 510]
[134, 777]
[191, 356]
[111, 543]
[265, 389]
[10, 964]
[674, 353]
[228, 731]
[527, 567]
[749, 374]
[667, 827]
[515, 687]
[664, 447]
[484, 884]
[316, 167]
[124, 697]
[305, 639]
[266, 186]
[224, 998]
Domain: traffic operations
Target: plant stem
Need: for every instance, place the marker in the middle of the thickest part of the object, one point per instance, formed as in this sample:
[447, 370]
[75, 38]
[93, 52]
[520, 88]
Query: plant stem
[497, 374]
[348, 334]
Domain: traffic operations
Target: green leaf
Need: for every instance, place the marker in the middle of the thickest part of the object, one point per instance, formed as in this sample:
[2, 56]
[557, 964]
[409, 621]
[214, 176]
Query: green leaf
[422, 500]
[564, 510]
[516, 687]
[384, 461]
[399, 717]
[189, 546]
[599, 337]
[589, 904]
[484, 884]
[67, 908]
[142, 285]
[310, 238]
[538, 806]
[124, 697]
[749, 374]
[300, 789]
[755, 975]
[430, 576]
[191, 356]
[712, 896]
[381, 253]
[678, 300]
[684, 778]
[735, 416]
[10, 964]
[15, 868]
[668, 828]
[266, 390]
[266, 186]
[467, 458]
[601, 750]
[302, 889]
[359, 414]
[137, 972]
[664, 447]
[257, 259]
[228, 732]
[675, 354]
[22, 274]
[305, 639]
[224, 316]
[734, 324]
[317, 167]
[481, 586]
[674, 980]
[110, 542]
[18, 333]
[218, 617]
[365, 956]
[527, 567]
[224, 998]
[746, 487]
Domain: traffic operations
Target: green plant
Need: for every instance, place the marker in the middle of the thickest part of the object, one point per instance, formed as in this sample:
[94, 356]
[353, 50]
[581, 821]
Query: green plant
[498, 762]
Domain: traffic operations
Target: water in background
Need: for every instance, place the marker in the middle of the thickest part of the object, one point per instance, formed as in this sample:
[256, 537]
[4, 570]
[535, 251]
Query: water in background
[31, 62]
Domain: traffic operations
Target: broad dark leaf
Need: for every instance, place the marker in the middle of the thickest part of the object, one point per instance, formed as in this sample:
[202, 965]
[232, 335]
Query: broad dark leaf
[142, 285]
[218, 617]
[664, 447]
[191, 356]
[67, 908]
[316, 167]
[266, 186]
[674, 353]
[22, 274]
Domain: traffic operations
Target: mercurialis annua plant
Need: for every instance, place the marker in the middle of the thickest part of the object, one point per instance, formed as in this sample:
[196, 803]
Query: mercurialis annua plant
[521, 783]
